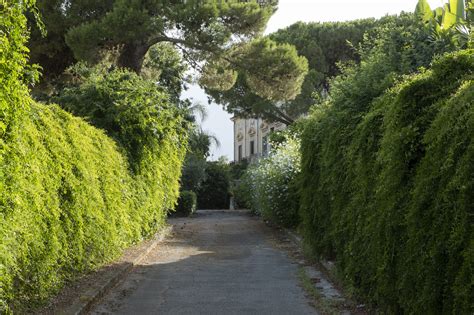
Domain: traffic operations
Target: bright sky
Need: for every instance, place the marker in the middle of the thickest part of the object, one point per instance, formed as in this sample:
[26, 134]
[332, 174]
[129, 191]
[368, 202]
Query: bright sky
[218, 122]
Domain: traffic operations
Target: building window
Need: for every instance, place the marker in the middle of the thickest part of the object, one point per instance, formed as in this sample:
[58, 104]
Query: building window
[252, 147]
[265, 146]
[240, 152]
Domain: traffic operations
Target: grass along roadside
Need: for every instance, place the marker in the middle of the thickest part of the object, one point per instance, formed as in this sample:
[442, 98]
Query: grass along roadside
[327, 306]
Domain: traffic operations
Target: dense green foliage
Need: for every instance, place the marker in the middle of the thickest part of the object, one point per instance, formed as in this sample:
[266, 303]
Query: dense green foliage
[130, 109]
[83, 28]
[194, 168]
[271, 186]
[194, 172]
[238, 187]
[214, 192]
[224, 36]
[387, 178]
[324, 45]
[13, 101]
[71, 198]
[453, 23]
[186, 204]
[70, 203]
[241, 191]
[164, 64]
[400, 46]
[14, 70]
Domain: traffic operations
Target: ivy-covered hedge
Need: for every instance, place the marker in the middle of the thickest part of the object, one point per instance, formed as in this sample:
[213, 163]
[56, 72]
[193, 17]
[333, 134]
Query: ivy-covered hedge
[387, 187]
[69, 202]
[71, 197]
[13, 66]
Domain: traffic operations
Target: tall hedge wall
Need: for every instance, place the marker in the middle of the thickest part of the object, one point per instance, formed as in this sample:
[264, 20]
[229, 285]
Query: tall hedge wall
[72, 197]
[69, 202]
[13, 65]
[388, 189]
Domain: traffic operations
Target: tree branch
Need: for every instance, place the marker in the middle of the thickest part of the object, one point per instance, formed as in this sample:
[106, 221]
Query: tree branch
[283, 114]
[216, 51]
[281, 119]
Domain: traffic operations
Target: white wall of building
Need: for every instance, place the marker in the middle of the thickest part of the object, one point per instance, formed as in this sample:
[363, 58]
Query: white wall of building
[257, 131]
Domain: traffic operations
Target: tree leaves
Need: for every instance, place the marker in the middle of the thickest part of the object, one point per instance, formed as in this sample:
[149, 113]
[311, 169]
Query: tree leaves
[423, 10]
[277, 72]
[218, 75]
[324, 45]
[450, 23]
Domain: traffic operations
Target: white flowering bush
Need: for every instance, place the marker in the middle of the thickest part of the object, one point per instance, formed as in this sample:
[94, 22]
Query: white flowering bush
[271, 183]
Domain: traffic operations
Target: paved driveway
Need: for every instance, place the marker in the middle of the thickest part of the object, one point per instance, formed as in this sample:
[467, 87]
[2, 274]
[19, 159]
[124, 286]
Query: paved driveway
[214, 263]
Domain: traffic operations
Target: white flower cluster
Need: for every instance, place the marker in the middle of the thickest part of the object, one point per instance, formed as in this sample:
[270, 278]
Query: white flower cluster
[270, 179]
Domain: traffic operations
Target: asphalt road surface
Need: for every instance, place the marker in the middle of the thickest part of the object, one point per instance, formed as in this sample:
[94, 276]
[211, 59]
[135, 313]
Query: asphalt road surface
[214, 263]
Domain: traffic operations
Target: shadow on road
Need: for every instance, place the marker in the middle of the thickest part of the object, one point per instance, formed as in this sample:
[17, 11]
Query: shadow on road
[218, 262]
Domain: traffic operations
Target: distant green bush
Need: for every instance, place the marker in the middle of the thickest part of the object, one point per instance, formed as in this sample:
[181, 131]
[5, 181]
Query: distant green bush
[194, 172]
[214, 192]
[387, 185]
[241, 191]
[271, 184]
[237, 187]
[186, 204]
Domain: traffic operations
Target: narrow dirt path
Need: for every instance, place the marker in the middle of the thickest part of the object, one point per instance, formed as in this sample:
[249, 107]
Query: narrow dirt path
[215, 263]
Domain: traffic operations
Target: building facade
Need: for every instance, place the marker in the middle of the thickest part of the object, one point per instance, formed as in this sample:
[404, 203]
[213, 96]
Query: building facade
[251, 137]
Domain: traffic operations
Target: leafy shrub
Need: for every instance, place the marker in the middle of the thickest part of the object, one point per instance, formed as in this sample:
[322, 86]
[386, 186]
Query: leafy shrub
[194, 172]
[214, 192]
[69, 202]
[199, 146]
[271, 184]
[241, 191]
[186, 203]
[386, 189]
[399, 46]
[129, 108]
[14, 69]
[238, 188]
[237, 169]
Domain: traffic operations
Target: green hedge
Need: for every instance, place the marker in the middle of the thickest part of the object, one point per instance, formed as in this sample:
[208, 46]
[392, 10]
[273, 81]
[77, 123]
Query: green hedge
[69, 202]
[186, 204]
[387, 188]
[13, 66]
[71, 198]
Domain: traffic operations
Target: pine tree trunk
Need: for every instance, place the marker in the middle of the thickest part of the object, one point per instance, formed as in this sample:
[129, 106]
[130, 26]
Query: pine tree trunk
[132, 56]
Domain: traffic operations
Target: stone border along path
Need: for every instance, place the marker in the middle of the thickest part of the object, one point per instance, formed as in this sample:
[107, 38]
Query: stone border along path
[216, 262]
[81, 295]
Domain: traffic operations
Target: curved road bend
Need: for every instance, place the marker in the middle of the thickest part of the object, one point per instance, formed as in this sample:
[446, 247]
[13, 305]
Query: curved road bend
[214, 263]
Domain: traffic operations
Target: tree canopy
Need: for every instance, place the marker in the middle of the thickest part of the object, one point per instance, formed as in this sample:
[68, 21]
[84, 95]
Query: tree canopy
[213, 36]
[324, 45]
